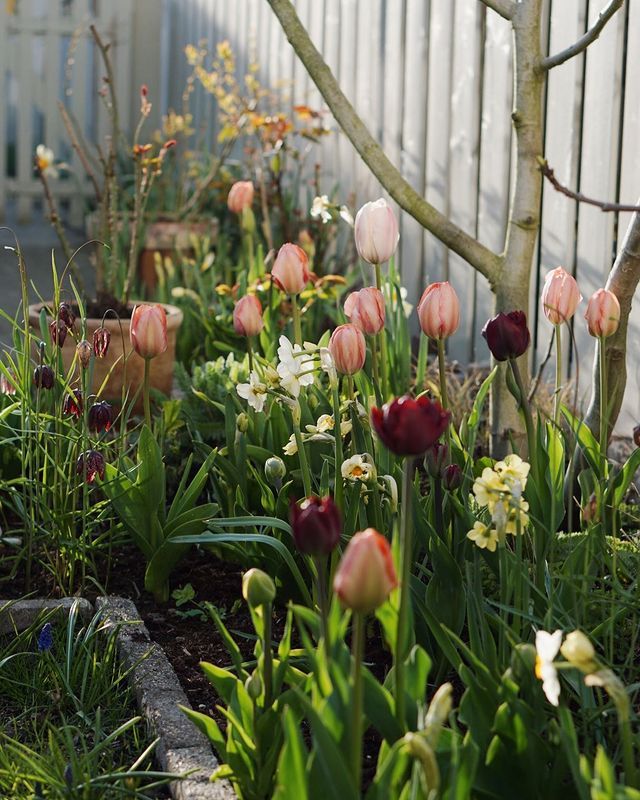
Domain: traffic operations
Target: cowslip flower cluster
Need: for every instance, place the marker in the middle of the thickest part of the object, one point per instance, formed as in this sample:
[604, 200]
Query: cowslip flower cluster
[499, 490]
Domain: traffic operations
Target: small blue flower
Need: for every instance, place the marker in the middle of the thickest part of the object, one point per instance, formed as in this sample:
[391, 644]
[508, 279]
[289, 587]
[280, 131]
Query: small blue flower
[45, 638]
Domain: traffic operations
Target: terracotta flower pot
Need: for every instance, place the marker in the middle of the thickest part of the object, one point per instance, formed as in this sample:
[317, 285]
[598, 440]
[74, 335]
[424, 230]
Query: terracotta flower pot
[161, 367]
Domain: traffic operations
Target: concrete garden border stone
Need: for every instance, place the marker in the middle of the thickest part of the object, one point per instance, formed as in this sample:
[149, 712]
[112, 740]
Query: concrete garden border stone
[181, 747]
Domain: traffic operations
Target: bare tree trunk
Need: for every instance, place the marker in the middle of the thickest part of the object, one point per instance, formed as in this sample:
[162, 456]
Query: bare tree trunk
[622, 281]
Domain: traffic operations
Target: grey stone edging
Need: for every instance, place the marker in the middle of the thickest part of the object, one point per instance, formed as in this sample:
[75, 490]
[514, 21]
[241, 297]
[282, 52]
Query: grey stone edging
[181, 746]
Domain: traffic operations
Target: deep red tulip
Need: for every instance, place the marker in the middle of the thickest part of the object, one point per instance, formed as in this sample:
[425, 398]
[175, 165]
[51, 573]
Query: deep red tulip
[410, 427]
[100, 417]
[73, 403]
[452, 477]
[247, 316]
[43, 377]
[366, 575]
[507, 335]
[90, 463]
[636, 435]
[148, 330]
[316, 525]
[101, 339]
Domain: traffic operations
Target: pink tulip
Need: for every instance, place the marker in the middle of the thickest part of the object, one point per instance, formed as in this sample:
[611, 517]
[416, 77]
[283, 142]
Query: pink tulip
[560, 296]
[365, 309]
[376, 232]
[240, 196]
[148, 330]
[366, 576]
[348, 349]
[247, 316]
[291, 271]
[439, 310]
[603, 313]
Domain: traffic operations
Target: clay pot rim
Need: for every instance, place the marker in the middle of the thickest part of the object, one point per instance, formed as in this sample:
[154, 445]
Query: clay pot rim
[174, 315]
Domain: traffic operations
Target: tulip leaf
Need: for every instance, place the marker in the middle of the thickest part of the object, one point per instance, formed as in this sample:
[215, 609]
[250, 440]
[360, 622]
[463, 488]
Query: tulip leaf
[291, 775]
[587, 441]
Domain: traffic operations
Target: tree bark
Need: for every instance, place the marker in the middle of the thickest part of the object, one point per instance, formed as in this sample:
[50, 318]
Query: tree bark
[623, 281]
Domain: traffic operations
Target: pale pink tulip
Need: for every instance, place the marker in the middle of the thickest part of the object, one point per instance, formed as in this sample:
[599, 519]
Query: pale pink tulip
[247, 316]
[240, 196]
[376, 232]
[148, 331]
[365, 309]
[560, 296]
[291, 271]
[366, 575]
[439, 310]
[348, 349]
[603, 313]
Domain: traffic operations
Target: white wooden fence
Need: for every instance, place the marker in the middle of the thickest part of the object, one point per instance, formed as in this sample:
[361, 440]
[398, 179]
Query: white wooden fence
[46, 56]
[433, 81]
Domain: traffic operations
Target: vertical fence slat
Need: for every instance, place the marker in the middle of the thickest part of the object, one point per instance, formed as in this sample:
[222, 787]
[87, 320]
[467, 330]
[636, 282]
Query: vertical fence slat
[24, 137]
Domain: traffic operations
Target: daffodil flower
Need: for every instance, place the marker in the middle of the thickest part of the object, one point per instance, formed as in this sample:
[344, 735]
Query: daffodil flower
[483, 536]
[293, 367]
[358, 468]
[254, 392]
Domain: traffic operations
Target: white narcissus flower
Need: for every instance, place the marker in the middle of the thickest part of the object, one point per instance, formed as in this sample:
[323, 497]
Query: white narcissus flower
[346, 426]
[357, 468]
[320, 208]
[325, 423]
[291, 447]
[483, 536]
[292, 368]
[346, 215]
[547, 648]
[45, 161]
[254, 392]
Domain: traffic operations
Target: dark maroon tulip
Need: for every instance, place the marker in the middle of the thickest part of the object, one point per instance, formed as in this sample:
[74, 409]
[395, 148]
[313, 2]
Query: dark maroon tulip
[100, 417]
[636, 436]
[58, 332]
[435, 459]
[452, 477]
[73, 403]
[410, 427]
[90, 463]
[66, 315]
[101, 339]
[43, 377]
[316, 525]
[507, 335]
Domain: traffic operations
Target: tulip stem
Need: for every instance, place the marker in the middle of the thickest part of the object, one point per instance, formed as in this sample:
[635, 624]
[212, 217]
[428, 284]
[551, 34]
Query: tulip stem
[304, 466]
[421, 369]
[444, 399]
[145, 393]
[250, 353]
[267, 656]
[556, 399]
[357, 651]
[297, 326]
[526, 410]
[339, 454]
[404, 554]
[374, 364]
[382, 336]
[603, 402]
[321, 568]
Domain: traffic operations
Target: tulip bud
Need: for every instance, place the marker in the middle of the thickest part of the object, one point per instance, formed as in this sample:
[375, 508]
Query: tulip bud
[603, 313]
[439, 708]
[58, 332]
[43, 377]
[560, 296]
[275, 470]
[101, 339]
[316, 525]
[73, 403]
[366, 575]
[66, 315]
[366, 310]
[435, 459]
[507, 335]
[247, 316]
[100, 417]
[254, 685]
[91, 463]
[376, 232]
[84, 350]
[348, 349]
[410, 427]
[290, 270]
[452, 477]
[242, 422]
[240, 196]
[579, 652]
[148, 331]
[258, 588]
[439, 311]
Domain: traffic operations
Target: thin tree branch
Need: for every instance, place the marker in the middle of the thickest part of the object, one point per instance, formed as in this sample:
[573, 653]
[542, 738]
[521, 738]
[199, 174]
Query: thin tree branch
[603, 205]
[455, 238]
[503, 7]
[588, 38]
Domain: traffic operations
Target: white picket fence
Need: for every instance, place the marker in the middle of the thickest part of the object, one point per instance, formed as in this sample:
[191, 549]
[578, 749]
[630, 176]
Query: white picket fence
[433, 81]
[46, 56]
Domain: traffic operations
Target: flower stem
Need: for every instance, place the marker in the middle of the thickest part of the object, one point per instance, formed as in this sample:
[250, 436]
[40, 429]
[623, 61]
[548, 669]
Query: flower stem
[145, 394]
[374, 361]
[304, 465]
[556, 399]
[357, 650]
[603, 403]
[382, 338]
[443, 375]
[267, 656]
[339, 455]
[321, 568]
[526, 410]
[405, 550]
[297, 326]
[250, 353]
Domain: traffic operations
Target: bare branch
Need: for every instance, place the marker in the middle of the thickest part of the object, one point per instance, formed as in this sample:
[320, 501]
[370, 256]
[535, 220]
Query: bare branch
[584, 41]
[603, 205]
[480, 257]
[505, 8]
